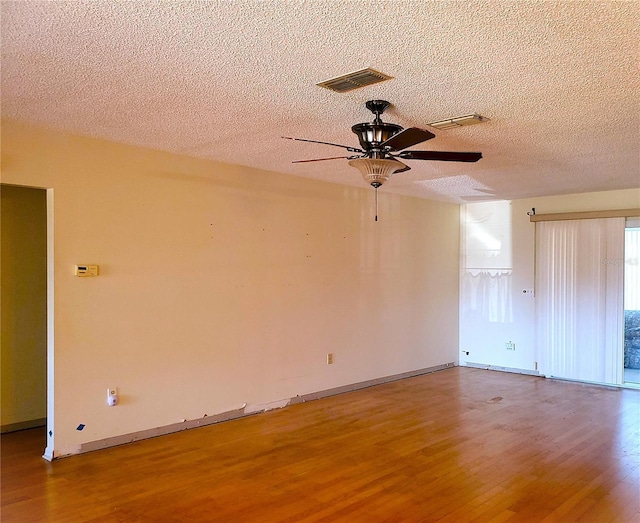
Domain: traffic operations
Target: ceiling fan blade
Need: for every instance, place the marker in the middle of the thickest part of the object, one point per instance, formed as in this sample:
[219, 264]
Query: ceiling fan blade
[347, 147]
[407, 138]
[443, 156]
[321, 159]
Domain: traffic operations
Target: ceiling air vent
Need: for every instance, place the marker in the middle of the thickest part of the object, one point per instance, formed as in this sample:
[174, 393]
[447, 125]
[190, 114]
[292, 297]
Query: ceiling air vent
[355, 80]
[459, 121]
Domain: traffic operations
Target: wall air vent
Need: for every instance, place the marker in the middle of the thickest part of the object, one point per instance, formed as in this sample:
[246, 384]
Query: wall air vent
[459, 121]
[355, 80]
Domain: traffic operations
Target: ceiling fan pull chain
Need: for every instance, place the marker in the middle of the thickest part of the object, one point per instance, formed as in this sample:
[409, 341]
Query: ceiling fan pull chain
[376, 204]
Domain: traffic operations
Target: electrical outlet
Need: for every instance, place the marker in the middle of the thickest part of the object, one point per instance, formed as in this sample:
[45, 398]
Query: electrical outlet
[112, 396]
[330, 358]
[510, 346]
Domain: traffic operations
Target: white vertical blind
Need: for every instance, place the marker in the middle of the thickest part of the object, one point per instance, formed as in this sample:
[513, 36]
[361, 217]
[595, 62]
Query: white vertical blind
[579, 299]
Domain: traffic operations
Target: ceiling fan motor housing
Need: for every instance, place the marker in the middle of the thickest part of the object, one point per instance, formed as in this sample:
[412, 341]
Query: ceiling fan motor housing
[371, 135]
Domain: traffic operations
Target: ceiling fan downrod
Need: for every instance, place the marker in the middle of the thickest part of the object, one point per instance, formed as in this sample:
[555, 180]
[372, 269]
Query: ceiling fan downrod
[377, 107]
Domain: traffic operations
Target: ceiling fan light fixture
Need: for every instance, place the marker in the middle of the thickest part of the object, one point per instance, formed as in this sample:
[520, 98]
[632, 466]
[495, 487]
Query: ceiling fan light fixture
[376, 171]
[460, 121]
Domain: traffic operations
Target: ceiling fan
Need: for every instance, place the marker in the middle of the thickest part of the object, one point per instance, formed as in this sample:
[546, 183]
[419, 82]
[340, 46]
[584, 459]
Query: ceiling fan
[383, 143]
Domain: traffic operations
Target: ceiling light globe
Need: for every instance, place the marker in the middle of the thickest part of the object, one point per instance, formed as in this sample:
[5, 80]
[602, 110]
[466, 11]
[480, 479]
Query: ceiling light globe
[376, 171]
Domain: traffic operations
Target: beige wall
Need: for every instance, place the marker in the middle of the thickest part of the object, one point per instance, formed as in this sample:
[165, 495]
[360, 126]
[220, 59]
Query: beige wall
[222, 285]
[23, 305]
[486, 341]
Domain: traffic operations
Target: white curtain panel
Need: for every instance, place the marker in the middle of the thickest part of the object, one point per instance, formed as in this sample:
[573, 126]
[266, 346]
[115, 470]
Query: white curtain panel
[486, 295]
[579, 299]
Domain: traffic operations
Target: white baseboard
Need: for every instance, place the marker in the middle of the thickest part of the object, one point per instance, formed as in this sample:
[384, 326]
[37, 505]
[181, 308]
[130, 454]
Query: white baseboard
[243, 411]
[498, 368]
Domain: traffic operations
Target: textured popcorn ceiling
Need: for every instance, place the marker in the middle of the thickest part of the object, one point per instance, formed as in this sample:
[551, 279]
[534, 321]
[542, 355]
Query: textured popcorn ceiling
[225, 80]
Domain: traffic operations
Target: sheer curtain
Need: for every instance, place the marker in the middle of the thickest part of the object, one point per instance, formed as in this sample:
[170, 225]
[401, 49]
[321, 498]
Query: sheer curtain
[486, 266]
[579, 299]
[486, 295]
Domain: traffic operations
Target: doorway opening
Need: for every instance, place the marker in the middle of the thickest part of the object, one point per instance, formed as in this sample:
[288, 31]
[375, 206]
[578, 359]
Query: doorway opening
[24, 308]
[632, 302]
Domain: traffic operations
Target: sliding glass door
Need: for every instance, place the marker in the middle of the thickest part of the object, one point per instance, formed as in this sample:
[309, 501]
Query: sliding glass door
[579, 299]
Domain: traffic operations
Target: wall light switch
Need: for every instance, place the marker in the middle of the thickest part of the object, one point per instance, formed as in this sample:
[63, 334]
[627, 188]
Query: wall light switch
[86, 270]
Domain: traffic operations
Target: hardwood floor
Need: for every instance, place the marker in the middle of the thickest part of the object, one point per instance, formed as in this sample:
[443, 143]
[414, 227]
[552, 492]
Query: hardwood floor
[459, 445]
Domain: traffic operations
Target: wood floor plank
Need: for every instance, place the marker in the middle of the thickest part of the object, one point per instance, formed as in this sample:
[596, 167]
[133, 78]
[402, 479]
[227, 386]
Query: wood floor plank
[458, 445]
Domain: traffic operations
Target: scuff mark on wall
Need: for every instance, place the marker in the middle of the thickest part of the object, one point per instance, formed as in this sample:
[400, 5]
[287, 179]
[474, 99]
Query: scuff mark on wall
[263, 407]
